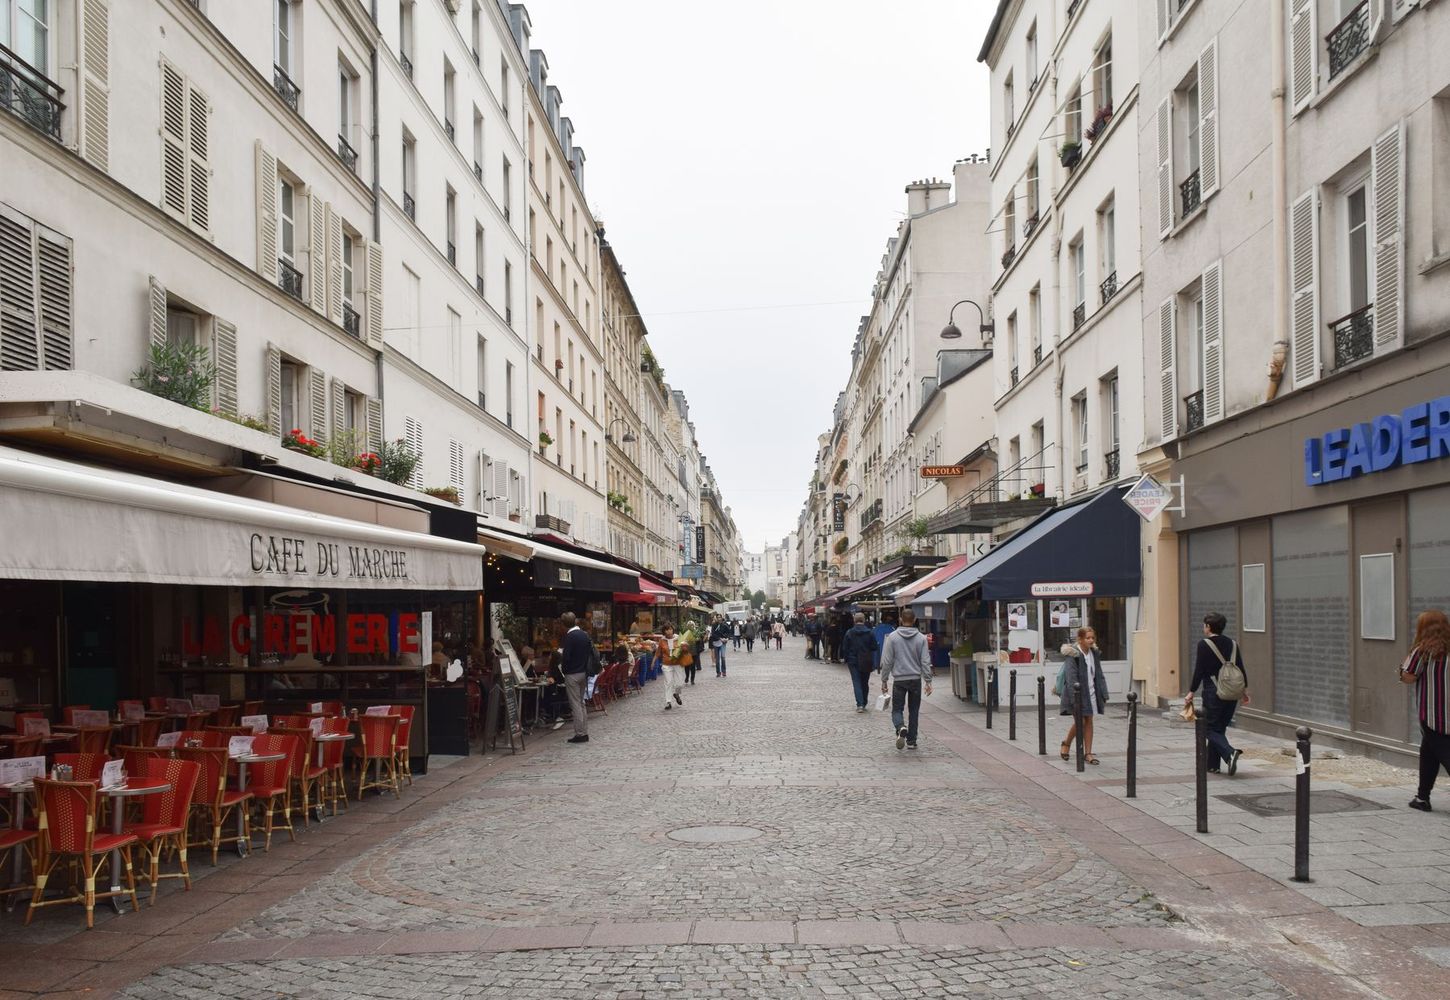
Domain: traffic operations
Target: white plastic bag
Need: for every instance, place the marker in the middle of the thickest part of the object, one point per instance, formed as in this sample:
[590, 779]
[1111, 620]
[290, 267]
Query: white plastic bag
[883, 702]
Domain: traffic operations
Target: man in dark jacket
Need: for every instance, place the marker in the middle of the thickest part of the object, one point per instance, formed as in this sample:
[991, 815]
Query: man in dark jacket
[719, 636]
[813, 639]
[859, 650]
[576, 654]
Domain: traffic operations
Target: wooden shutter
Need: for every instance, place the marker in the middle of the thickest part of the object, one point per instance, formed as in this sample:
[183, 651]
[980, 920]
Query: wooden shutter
[1164, 128]
[198, 163]
[317, 404]
[374, 253]
[1303, 286]
[1208, 119]
[1168, 369]
[375, 424]
[225, 339]
[501, 482]
[266, 214]
[274, 390]
[485, 471]
[157, 312]
[1303, 54]
[173, 141]
[19, 341]
[337, 390]
[56, 299]
[334, 264]
[1213, 402]
[413, 436]
[317, 251]
[1387, 181]
[1165, 18]
[455, 466]
[95, 79]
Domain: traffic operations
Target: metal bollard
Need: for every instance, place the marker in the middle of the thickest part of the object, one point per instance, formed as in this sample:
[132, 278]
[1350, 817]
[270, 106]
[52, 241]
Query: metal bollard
[1077, 721]
[1200, 770]
[1041, 717]
[990, 671]
[1132, 744]
[1301, 807]
[1012, 704]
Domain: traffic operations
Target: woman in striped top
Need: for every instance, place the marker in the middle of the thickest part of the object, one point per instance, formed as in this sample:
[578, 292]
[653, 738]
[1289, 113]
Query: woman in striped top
[1428, 668]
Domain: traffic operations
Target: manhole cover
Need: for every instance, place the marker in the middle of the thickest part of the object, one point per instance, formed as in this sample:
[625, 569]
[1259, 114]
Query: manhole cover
[714, 834]
[1282, 803]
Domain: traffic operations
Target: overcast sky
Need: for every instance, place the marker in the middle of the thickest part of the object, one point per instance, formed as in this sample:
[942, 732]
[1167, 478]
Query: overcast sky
[748, 162]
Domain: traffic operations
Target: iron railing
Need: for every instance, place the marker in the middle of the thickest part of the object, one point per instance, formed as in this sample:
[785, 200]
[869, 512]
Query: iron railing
[1349, 38]
[1014, 374]
[1008, 256]
[286, 89]
[476, 60]
[410, 209]
[289, 279]
[407, 64]
[29, 95]
[1190, 193]
[1036, 355]
[478, 172]
[1079, 314]
[1110, 464]
[1109, 287]
[351, 321]
[1072, 8]
[1030, 223]
[452, 253]
[346, 153]
[478, 284]
[448, 129]
[1353, 336]
[1193, 410]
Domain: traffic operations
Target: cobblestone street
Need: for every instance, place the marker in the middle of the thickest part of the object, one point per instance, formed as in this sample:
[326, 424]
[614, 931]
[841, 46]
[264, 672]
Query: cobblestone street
[763, 841]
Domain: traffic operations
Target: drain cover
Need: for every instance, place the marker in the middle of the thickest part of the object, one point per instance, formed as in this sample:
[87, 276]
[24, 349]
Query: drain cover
[714, 834]
[1282, 803]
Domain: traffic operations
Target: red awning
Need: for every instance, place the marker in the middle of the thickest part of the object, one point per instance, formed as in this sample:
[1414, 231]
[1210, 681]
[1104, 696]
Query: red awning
[936, 576]
[649, 593]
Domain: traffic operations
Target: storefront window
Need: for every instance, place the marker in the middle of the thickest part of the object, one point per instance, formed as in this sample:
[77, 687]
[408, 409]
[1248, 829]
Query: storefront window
[1063, 617]
[1018, 630]
[1108, 617]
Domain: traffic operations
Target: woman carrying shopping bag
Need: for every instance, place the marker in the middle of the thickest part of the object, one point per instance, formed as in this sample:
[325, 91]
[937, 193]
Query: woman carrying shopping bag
[1428, 668]
[676, 655]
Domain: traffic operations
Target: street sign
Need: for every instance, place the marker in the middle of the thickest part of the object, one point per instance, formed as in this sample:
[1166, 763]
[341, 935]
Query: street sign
[700, 543]
[943, 471]
[1078, 588]
[1148, 497]
[838, 511]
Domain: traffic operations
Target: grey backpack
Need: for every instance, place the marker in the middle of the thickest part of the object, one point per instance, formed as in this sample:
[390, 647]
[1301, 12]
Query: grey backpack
[1231, 682]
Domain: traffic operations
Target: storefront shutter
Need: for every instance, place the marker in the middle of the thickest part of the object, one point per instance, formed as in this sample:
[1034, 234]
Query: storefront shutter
[455, 465]
[334, 264]
[317, 252]
[1213, 405]
[501, 483]
[266, 214]
[157, 311]
[1387, 180]
[338, 418]
[1168, 369]
[1164, 123]
[19, 341]
[95, 127]
[173, 141]
[225, 336]
[198, 150]
[1208, 119]
[274, 390]
[317, 404]
[1304, 286]
[1303, 54]
[375, 294]
[375, 424]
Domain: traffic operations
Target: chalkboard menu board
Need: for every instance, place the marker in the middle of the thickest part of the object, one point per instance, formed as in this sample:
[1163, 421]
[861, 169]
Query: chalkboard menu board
[509, 690]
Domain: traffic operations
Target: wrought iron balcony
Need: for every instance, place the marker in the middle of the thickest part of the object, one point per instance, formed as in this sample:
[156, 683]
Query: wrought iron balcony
[448, 129]
[407, 64]
[1110, 464]
[478, 284]
[1109, 287]
[1008, 256]
[476, 60]
[1353, 336]
[1190, 194]
[452, 253]
[1036, 355]
[1030, 223]
[29, 95]
[289, 279]
[346, 154]
[1014, 374]
[1010, 127]
[1193, 411]
[1072, 8]
[1079, 314]
[289, 91]
[351, 321]
[410, 209]
[478, 172]
[1349, 38]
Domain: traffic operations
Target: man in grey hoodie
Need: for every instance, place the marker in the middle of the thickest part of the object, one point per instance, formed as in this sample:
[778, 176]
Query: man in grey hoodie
[906, 667]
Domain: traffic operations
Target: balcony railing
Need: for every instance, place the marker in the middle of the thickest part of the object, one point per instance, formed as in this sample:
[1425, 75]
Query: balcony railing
[407, 64]
[1193, 410]
[1190, 193]
[1072, 8]
[351, 321]
[289, 279]
[1079, 314]
[476, 60]
[346, 154]
[478, 284]
[1036, 355]
[1349, 38]
[448, 129]
[410, 209]
[29, 95]
[1008, 256]
[289, 91]
[478, 172]
[452, 253]
[1353, 336]
[1030, 223]
[1109, 287]
[1110, 465]
[1014, 374]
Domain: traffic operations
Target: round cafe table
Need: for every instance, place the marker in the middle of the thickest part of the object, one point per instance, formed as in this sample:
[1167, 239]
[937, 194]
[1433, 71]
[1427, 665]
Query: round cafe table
[242, 762]
[319, 742]
[132, 788]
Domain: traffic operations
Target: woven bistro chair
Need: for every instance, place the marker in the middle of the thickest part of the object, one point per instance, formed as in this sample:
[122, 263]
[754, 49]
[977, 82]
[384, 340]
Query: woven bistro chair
[156, 704]
[229, 731]
[93, 739]
[226, 715]
[27, 746]
[212, 801]
[307, 776]
[378, 742]
[270, 784]
[136, 757]
[403, 741]
[68, 830]
[301, 721]
[164, 818]
[207, 738]
[329, 707]
[148, 731]
[131, 703]
[334, 756]
[195, 720]
[252, 707]
[67, 714]
[18, 840]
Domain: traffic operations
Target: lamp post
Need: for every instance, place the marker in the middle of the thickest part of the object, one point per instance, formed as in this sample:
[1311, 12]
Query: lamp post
[952, 332]
[628, 436]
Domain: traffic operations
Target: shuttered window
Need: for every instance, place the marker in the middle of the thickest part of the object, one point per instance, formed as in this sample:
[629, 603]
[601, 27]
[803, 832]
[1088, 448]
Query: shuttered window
[413, 437]
[266, 198]
[455, 465]
[95, 75]
[1208, 119]
[1168, 368]
[1387, 179]
[274, 390]
[1303, 53]
[226, 366]
[36, 295]
[1163, 129]
[375, 424]
[1304, 287]
[318, 416]
[1213, 401]
[503, 479]
[185, 150]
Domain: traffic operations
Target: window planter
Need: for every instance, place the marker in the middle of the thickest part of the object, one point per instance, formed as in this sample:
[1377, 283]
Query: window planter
[447, 493]
[1100, 121]
[1070, 154]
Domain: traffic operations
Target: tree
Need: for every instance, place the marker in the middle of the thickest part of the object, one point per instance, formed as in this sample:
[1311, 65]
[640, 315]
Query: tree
[757, 600]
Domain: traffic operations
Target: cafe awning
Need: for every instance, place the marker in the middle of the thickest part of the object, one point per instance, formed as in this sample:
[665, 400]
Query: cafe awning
[871, 584]
[649, 593]
[1088, 548]
[69, 521]
[558, 568]
[936, 576]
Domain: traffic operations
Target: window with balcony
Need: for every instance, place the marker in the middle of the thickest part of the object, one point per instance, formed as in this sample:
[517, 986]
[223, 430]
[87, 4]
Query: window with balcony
[285, 18]
[1107, 250]
[410, 176]
[508, 392]
[478, 145]
[503, 89]
[1009, 230]
[1077, 261]
[1013, 372]
[1111, 461]
[1103, 81]
[1188, 186]
[1080, 430]
[292, 383]
[478, 260]
[1009, 105]
[448, 95]
[1353, 331]
[26, 89]
[506, 195]
[1034, 323]
[351, 320]
[288, 276]
[347, 117]
[475, 33]
[1031, 75]
[482, 374]
[1033, 198]
[450, 223]
[405, 37]
[1350, 36]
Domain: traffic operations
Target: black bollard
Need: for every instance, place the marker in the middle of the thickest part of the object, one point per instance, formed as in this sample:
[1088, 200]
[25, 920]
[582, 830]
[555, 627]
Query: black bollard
[1200, 770]
[1012, 704]
[990, 671]
[1041, 716]
[1077, 721]
[1301, 807]
[1132, 744]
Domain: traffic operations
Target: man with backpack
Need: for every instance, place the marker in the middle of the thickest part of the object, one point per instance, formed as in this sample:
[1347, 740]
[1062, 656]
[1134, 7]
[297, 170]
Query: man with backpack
[1218, 667]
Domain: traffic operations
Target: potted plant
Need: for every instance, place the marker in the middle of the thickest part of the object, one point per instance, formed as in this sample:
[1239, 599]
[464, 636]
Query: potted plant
[515, 516]
[178, 372]
[1101, 117]
[368, 463]
[295, 440]
[396, 462]
[842, 544]
[447, 493]
[1070, 153]
[1039, 489]
[545, 439]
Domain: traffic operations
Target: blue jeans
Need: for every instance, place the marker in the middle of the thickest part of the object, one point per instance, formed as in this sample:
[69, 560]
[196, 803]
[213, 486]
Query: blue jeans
[906, 693]
[720, 660]
[861, 681]
[1218, 714]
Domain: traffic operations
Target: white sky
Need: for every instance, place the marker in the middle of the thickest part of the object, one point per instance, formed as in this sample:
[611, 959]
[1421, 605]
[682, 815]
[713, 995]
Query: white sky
[748, 163]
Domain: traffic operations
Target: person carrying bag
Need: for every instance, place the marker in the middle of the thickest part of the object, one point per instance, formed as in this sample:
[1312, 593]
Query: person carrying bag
[1218, 668]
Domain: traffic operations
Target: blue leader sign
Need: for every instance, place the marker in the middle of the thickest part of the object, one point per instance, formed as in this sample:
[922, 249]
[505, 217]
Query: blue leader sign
[1419, 433]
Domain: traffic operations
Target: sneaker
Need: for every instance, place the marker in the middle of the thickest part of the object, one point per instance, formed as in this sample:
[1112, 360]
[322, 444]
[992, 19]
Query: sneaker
[558, 724]
[1421, 804]
[678, 699]
[1233, 763]
[911, 746]
[577, 739]
[668, 706]
[901, 738]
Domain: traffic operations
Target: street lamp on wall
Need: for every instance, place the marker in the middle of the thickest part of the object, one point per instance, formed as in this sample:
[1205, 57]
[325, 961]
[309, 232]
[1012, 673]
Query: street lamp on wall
[952, 332]
[628, 437]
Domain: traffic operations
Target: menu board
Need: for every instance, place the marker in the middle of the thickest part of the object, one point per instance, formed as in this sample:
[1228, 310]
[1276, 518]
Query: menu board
[111, 773]
[89, 719]
[178, 706]
[256, 723]
[379, 710]
[133, 712]
[168, 739]
[509, 660]
[239, 746]
[37, 727]
[316, 706]
[206, 702]
[21, 769]
[315, 725]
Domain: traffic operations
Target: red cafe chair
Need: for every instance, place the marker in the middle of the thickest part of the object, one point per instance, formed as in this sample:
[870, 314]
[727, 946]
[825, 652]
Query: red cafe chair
[148, 731]
[205, 737]
[135, 704]
[307, 775]
[252, 707]
[403, 740]
[270, 783]
[226, 715]
[329, 707]
[156, 704]
[163, 818]
[67, 714]
[17, 840]
[68, 830]
[26, 746]
[378, 736]
[334, 756]
[93, 739]
[212, 801]
[137, 757]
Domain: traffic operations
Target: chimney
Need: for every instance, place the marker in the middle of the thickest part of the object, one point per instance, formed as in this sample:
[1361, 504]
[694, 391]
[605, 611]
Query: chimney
[938, 194]
[916, 197]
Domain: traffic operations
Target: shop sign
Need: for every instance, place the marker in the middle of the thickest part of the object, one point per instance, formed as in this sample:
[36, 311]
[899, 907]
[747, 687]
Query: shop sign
[700, 543]
[1148, 497]
[838, 511]
[293, 634]
[943, 471]
[566, 575]
[1081, 588]
[276, 555]
[1419, 433]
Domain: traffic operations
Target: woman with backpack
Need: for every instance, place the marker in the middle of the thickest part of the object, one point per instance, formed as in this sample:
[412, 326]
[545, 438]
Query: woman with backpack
[1428, 668]
[1218, 667]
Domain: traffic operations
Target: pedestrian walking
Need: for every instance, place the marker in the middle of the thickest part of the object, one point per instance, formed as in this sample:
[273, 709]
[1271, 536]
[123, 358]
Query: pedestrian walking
[906, 668]
[881, 631]
[1428, 668]
[690, 640]
[859, 649]
[1222, 694]
[1084, 666]
[577, 656]
[751, 627]
[675, 655]
[813, 639]
[736, 633]
[719, 636]
[832, 649]
[778, 632]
